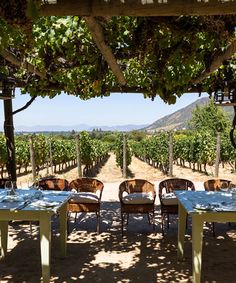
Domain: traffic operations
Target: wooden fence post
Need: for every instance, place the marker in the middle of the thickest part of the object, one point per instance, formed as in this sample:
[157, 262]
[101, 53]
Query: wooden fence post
[50, 157]
[78, 154]
[124, 156]
[217, 161]
[170, 173]
[32, 158]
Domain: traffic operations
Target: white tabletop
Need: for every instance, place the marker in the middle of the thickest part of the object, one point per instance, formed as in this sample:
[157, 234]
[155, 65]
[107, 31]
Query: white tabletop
[30, 199]
[196, 201]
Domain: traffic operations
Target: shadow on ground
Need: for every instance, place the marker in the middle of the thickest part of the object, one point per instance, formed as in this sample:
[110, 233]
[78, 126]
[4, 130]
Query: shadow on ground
[140, 256]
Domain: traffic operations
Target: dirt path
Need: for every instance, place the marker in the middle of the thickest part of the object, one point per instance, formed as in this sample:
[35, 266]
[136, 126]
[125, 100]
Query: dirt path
[137, 169]
[110, 173]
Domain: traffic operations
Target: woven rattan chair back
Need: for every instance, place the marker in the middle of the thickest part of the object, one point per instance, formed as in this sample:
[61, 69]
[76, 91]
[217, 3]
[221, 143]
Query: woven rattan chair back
[136, 186]
[86, 185]
[169, 186]
[56, 184]
[216, 184]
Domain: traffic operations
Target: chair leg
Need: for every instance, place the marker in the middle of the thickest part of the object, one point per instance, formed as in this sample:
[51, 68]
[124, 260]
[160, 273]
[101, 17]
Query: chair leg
[75, 217]
[162, 223]
[213, 229]
[127, 219]
[153, 219]
[98, 221]
[122, 223]
[149, 219]
[168, 220]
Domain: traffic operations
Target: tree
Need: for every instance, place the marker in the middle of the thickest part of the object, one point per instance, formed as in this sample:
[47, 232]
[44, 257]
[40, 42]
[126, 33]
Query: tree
[137, 135]
[209, 118]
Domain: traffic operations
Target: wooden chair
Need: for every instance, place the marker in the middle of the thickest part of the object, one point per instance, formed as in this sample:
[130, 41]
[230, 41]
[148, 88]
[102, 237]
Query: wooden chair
[51, 183]
[137, 196]
[87, 197]
[168, 201]
[216, 185]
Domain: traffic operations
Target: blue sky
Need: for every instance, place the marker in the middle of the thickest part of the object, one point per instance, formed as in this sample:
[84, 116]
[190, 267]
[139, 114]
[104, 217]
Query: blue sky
[117, 109]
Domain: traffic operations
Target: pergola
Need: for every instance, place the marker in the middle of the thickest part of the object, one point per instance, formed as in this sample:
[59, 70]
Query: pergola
[94, 12]
[136, 8]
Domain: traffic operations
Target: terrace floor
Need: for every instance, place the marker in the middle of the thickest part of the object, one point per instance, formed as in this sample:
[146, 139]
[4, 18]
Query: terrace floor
[141, 256]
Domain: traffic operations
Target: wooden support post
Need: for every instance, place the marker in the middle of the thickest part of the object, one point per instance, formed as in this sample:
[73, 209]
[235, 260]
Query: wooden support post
[170, 173]
[78, 153]
[50, 157]
[217, 161]
[98, 37]
[10, 141]
[124, 156]
[32, 158]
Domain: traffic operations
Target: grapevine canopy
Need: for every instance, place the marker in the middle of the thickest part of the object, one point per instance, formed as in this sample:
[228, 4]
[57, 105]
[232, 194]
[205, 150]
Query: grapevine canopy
[153, 50]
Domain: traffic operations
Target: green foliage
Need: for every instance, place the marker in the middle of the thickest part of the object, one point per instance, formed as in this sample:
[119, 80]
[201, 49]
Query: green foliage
[62, 150]
[137, 135]
[119, 151]
[200, 147]
[228, 152]
[22, 152]
[41, 150]
[91, 150]
[160, 55]
[154, 148]
[3, 151]
[182, 147]
[209, 118]
[203, 148]
[109, 137]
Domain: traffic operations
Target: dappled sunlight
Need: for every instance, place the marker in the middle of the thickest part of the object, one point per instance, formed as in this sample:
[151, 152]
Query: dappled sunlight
[123, 260]
[140, 256]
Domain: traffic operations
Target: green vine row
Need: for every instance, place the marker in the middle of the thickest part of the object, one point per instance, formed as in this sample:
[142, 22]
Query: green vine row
[191, 148]
[60, 152]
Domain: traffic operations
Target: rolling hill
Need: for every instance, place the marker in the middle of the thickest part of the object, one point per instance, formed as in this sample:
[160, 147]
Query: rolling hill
[179, 119]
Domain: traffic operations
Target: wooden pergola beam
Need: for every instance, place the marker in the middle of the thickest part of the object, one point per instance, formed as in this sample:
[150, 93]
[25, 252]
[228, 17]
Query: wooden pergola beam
[98, 37]
[138, 7]
[10, 57]
[218, 61]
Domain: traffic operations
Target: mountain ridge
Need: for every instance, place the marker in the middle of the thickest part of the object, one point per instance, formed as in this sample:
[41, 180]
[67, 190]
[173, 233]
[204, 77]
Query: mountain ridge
[179, 119]
[79, 127]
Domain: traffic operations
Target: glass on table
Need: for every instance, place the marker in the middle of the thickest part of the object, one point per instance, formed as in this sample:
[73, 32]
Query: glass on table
[38, 194]
[36, 186]
[10, 186]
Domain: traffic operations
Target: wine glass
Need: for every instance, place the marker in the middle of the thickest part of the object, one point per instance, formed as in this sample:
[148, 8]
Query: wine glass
[9, 186]
[36, 185]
